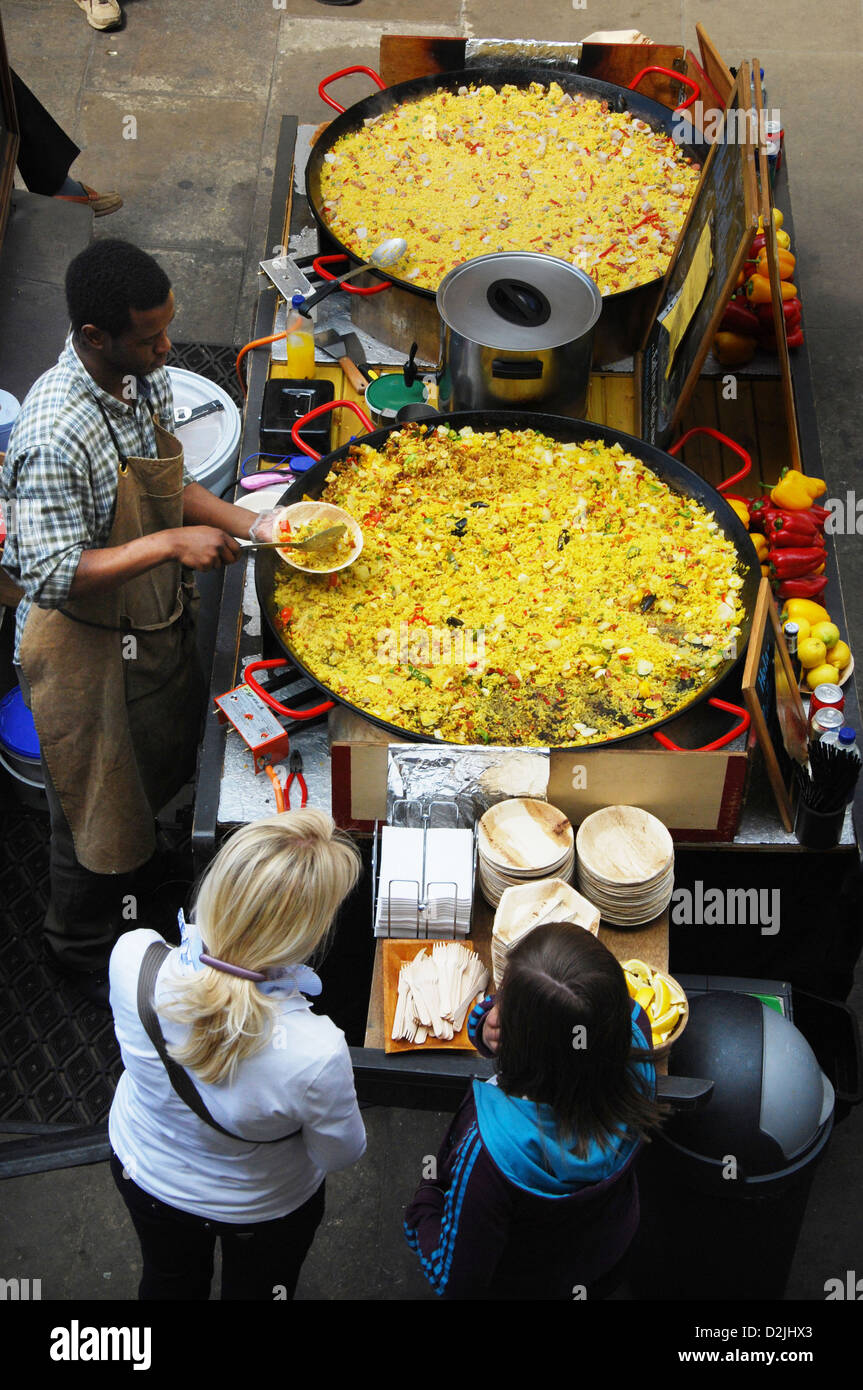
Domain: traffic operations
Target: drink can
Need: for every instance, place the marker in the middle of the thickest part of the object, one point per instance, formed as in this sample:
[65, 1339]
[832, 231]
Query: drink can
[825, 720]
[826, 696]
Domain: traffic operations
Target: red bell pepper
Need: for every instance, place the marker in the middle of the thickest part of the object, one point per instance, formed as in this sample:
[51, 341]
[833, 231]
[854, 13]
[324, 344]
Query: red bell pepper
[793, 540]
[795, 339]
[804, 531]
[739, 319]
[791, 310]
[794, 564]
[803, 588]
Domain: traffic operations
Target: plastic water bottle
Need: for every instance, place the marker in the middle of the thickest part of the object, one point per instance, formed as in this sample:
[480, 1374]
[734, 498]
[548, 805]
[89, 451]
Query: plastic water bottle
[300, 342]
[845, 739]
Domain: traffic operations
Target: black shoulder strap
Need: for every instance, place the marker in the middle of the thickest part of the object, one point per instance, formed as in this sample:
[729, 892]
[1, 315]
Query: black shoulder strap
[154, 958]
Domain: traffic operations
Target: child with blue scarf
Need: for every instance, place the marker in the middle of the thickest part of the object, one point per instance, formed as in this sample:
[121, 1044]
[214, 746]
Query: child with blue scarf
[535, 1195]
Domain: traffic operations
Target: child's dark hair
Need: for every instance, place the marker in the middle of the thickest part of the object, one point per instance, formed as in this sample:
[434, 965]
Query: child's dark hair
[108, 279]
[566, 1037]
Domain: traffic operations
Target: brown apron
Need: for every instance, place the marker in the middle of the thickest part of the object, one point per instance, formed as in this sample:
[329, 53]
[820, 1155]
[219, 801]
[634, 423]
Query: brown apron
[116, 689]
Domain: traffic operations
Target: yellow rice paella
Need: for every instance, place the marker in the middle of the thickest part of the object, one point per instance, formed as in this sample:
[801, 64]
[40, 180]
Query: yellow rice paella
[467, 173]
[514, 589]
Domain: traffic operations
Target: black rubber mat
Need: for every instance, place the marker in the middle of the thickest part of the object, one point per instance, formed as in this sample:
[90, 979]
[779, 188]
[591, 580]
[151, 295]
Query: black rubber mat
[59, 1060]
[58, 1053]
[216, 363]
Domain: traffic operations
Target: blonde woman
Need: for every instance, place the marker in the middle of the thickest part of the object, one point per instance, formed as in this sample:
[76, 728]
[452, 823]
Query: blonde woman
[236, 1099]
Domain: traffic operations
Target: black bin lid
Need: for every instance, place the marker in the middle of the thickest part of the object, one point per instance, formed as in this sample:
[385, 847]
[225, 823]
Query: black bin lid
[770, 1098]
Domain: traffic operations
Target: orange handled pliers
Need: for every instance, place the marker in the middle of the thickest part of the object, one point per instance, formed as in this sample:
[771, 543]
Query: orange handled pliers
[296, 767]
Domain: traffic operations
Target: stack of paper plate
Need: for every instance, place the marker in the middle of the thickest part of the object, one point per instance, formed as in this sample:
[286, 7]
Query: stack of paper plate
[625, 864]
[521, 840]
[528, 906]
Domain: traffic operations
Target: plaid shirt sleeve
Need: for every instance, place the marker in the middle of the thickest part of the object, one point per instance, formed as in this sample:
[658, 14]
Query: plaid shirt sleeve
[53, 521]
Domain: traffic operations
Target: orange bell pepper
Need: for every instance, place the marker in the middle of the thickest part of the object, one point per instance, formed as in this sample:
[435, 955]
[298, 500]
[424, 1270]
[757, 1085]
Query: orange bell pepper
[787, 263]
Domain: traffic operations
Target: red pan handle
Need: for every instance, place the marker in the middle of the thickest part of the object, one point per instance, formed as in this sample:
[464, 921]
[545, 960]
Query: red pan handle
[321, 261]
[667, 72]
[723, 439]
[274, 704]
[321, 410]
[343, 72]
[717, 743]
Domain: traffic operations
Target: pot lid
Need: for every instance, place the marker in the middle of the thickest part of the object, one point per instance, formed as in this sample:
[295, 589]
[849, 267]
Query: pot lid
[518, 300]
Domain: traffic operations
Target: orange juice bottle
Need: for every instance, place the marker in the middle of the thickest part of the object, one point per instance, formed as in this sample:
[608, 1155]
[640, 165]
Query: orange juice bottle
[300, 342]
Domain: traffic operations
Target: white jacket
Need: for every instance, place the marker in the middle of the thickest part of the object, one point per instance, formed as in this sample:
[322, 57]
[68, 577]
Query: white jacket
[301, 1080]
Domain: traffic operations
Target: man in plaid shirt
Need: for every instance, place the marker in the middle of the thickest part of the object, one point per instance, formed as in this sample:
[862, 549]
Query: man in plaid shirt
[59, 483]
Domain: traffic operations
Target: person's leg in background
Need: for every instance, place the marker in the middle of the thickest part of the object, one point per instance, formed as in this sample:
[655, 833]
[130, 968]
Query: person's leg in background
[46, 153]
[177, 1248]
[101, 14]
[262, 1262]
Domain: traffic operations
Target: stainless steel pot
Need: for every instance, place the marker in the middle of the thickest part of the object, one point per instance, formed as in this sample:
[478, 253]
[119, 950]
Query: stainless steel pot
[517, 334]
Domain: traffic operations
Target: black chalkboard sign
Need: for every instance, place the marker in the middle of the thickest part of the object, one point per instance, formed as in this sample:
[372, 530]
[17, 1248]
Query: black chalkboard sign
[773, 700]
[702, 275]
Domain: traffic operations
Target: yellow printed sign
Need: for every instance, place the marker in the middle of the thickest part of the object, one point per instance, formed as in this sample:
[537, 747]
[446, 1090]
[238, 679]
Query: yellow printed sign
[678, 317]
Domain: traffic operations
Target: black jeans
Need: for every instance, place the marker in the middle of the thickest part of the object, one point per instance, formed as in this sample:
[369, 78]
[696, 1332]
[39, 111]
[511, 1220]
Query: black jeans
[261, 1261]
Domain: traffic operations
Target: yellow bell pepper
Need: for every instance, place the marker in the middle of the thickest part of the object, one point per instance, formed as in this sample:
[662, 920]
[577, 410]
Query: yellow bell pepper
[795, 491]
[758, 289]
[762, 548]
[778, 219]
[741, 509]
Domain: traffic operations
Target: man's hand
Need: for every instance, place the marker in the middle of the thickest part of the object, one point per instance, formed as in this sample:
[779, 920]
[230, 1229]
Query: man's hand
[203, 547]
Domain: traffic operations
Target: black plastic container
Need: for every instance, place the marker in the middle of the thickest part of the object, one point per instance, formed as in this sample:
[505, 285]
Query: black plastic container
[724, 1189]
[287, 400]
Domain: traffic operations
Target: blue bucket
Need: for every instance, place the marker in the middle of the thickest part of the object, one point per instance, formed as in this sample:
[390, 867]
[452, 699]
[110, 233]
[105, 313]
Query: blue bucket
[19, 748]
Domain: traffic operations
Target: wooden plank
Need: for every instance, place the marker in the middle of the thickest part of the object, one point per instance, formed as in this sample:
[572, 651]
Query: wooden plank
[766, 208]
[714, 65]
[619, 402]
[737, 420]
[621, 62]
[772, 424]
[724, 204]
[596, 406]
[703, 454]
[710, 98]
[405, 57]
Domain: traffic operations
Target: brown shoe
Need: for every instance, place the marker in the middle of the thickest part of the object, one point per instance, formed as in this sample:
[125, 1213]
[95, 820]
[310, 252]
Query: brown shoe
[101, 14]
[101, 203]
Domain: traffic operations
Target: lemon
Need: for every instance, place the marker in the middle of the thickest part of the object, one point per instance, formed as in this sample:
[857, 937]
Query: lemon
[822, 675]
[665, 1024]
[661, 997]
[828, 633]
[644, 997]
[638, 968]
[840, 655]
[811, 653]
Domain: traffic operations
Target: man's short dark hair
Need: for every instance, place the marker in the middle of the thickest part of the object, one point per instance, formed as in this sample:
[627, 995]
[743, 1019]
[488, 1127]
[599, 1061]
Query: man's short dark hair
[107, 280]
